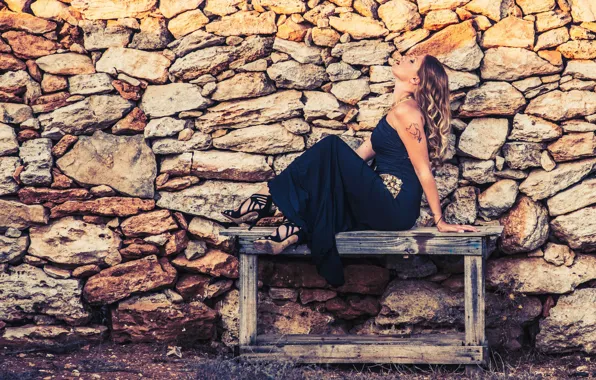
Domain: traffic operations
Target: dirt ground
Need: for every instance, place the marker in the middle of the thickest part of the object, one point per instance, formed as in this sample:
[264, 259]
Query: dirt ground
[209, 361]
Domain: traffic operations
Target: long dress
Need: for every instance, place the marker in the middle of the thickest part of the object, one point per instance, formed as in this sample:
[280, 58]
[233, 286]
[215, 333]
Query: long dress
[329, 188]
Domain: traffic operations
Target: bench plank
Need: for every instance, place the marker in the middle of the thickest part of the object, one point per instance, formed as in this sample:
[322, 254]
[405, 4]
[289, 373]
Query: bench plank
[365, 234]
[453, 339]
[367, 353]
[385, 246]
[474, 300]
[248, 299]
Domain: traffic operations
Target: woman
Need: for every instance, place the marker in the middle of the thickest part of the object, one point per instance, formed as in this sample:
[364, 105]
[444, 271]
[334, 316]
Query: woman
[330, 188]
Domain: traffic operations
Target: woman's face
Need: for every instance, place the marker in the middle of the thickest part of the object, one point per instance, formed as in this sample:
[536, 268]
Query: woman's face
[406, 67]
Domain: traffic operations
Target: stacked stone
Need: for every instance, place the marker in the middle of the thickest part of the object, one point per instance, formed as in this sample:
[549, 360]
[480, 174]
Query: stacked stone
[127, 126]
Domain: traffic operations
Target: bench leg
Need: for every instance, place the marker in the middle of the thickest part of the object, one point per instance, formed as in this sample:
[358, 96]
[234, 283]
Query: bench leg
[247, 334]
[474, 303]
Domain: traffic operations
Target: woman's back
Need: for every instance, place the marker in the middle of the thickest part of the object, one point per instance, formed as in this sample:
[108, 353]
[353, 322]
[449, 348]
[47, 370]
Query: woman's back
[391, 156]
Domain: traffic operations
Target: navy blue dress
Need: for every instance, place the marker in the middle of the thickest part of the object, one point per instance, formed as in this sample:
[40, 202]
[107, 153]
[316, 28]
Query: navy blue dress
[329, 189]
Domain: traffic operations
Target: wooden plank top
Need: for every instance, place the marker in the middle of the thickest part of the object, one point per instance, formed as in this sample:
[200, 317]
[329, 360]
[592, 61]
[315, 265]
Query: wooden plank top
[451, 339]
[257, 232]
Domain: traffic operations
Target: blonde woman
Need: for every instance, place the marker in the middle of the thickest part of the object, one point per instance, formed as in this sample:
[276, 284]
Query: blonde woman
[330, 188]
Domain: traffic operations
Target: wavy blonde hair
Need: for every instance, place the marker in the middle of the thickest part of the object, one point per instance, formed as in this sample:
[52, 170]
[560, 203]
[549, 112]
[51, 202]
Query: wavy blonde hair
[432, 97]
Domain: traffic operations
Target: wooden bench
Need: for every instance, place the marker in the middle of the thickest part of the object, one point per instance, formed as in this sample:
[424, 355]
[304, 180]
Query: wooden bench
[468, 348]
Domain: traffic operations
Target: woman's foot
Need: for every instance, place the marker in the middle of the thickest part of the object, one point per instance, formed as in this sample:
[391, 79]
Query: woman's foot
[257, 206]
[285, 235]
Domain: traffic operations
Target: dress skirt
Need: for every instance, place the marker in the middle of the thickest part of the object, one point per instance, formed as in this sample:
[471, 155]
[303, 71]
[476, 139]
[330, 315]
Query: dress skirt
[328, 189]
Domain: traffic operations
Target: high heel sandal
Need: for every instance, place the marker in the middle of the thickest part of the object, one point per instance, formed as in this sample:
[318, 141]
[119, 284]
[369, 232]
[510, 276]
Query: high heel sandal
[266, 201]
[275, 244]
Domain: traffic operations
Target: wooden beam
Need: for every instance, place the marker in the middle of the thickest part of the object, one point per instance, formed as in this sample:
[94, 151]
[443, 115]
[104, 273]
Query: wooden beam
[380, 245]
[414, 232]
[453, 339]
[474, 300]
[248, 300]
[474, 306]
[367, 353]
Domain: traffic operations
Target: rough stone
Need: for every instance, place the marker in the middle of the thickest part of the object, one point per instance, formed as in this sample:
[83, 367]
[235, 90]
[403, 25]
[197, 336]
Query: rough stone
[52, 338]
[580, 49]
[533, 275]
[552, 38]
[573, 146]
[275, 319]
[243, 85]
[150, 223]
[365, 52]
[570, 324]
[154, 35]
[37, 157]
[122, 280]
[8, 140]
[533, 129]
[91, 162]
[164, 127]
[279, 106]
[28, 291]
[541, 184]
[86, 116]
[12, 248]
[111, 206]
[113, 9]
[495, 10]
[292, 74]
[20, 20]
[169, 99]
[358, 27]
[574, 198]
[525, 227]
[216, 59]
[351, 91]
[277, 140]
[477, 171]
[492, 98]
[563, 105]
[99, 35]
[14, 113]
[483, 137]
[577, 229]
[72, 241]
[29, 46]
[455, 46]
[512, 63]
[558, 254]
[230, 165]
[522, 155]
[215, 263]
[511, 32]
[498, 198]
[66, 64]
[198, 141]
[89, 84]
[244, 23]
[142, 318]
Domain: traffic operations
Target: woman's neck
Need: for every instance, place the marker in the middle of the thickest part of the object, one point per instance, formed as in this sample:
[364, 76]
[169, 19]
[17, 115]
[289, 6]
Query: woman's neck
[400, 93]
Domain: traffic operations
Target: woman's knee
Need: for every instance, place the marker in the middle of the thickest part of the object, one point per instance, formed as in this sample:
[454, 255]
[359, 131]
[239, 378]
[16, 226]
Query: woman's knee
[331, 138]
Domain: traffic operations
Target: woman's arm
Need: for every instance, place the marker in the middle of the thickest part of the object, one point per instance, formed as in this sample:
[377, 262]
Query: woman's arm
[365, 150]
[408, 122]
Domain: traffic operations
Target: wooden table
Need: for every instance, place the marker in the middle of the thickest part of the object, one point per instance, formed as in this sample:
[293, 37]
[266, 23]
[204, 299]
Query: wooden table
[468, 348]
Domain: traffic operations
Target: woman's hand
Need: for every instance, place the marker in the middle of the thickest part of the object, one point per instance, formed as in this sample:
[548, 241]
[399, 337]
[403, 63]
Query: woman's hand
[446, 227]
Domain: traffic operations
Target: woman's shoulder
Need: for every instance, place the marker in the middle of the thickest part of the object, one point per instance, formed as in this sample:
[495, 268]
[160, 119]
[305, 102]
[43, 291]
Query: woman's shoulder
[406, 112]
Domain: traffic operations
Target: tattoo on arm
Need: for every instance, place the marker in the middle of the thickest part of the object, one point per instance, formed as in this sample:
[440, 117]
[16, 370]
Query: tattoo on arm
[413, 129]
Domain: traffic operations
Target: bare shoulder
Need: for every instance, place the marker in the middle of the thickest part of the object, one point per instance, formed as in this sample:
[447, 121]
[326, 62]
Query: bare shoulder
[407, 119]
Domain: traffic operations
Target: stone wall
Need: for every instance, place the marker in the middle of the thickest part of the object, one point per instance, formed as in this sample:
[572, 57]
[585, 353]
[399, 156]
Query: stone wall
[127, 125]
